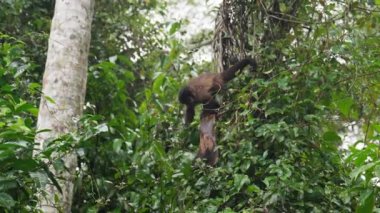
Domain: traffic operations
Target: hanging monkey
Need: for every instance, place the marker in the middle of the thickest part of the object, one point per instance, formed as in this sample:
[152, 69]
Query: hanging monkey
[202, 89]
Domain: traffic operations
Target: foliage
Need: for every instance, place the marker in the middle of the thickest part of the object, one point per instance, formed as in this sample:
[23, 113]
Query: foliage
[29, 22]
[279, 130]
[17, 116]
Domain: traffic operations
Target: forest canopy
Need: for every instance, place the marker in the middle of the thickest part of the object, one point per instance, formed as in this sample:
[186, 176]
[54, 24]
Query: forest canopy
[298, 134]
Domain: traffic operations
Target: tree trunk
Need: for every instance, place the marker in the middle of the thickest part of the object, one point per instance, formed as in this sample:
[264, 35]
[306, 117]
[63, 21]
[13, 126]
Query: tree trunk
[64, 82]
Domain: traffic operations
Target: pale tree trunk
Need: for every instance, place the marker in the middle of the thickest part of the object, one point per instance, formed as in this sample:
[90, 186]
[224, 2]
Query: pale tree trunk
[64, 82]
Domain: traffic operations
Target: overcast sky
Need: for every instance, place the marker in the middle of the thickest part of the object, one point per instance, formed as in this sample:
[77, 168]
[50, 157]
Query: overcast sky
[200, 15]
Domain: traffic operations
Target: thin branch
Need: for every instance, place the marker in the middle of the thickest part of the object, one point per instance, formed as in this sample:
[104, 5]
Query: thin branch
[195, 47]
[359, 76]
[287, 20]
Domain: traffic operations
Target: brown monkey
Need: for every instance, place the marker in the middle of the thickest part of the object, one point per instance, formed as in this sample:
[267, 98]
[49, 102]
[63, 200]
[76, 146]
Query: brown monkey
[207, 144]
[201, 90]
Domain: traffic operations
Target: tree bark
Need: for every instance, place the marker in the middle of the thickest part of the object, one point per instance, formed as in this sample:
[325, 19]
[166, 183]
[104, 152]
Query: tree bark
[64, 82]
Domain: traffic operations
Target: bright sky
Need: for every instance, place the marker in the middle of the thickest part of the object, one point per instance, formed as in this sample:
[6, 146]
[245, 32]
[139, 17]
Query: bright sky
[200, 15]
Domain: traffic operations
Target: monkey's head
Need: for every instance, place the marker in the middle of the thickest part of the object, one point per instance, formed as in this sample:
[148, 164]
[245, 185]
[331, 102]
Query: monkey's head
[185, 96]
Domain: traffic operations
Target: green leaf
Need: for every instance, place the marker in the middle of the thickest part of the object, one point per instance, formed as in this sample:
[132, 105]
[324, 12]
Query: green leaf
[33, 111]
[377, 171]
[6, 88]
[331, 136]
[49, 99]
[359, 157]
[8, 184]
[376, 127]
[228, 210]
[366, 202]
[24, 107]
[273, 110]
[377, 2]
[159, 150]
[5, 154]
[273, 198]
[132, 118]
[125, 60]
[21, 69]
[174, 28]
[14, 144]
[52, 178]
[34, 87]
[106, 66]
[356, 172]
[25, 165]
[93, 209]
[253, 188]
[116, 145]
[157, 84]
[344, 105]
[129, 75]
[6, 200]
[240, 180]
[101, 128]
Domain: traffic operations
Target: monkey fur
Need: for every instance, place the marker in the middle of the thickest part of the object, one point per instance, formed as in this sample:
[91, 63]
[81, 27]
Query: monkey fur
[202, 89]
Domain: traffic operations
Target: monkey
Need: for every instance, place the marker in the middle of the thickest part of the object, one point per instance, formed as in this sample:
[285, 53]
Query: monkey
[202, 89]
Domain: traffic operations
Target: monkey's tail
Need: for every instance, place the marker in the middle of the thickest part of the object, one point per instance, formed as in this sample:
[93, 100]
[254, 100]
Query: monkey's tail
[230, 73]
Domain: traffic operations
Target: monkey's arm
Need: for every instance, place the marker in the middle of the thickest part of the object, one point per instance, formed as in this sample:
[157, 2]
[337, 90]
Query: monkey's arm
[230, 73]
[189, 114]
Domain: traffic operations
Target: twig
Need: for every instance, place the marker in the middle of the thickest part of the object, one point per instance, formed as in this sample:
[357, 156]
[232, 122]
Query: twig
[359, 76]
